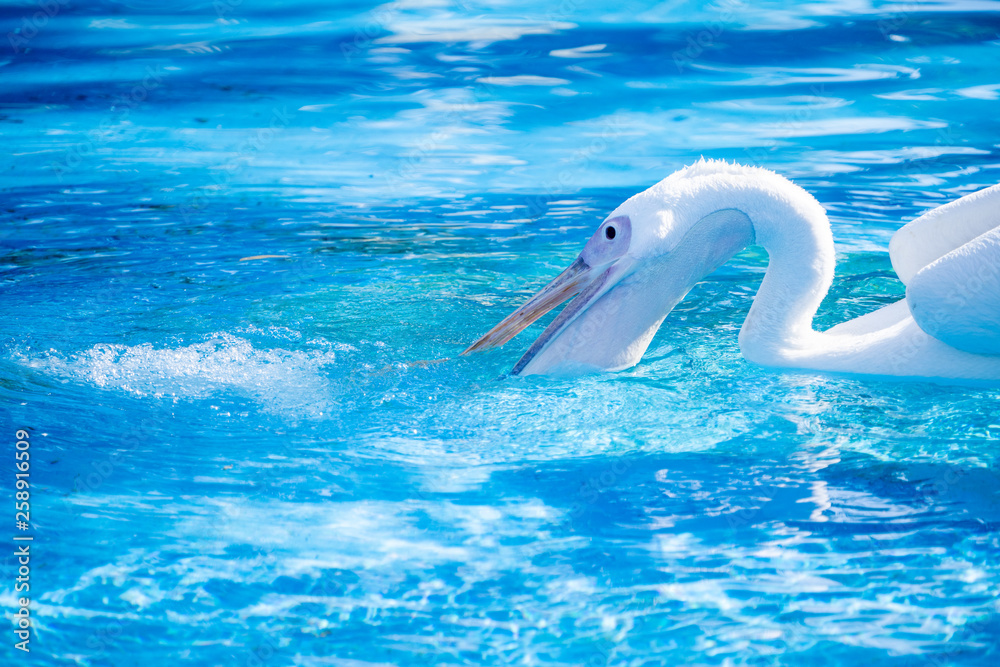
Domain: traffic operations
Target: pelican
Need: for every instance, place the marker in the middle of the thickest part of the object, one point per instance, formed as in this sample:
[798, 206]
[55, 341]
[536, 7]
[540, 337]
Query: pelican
[651, 250]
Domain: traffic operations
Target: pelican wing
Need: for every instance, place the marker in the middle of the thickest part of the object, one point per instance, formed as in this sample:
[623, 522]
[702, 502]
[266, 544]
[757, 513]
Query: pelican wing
[956, 298]
[942, 230]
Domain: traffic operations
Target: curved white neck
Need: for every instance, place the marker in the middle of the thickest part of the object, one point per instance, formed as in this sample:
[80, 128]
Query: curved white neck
[795, 232]
[793, 228]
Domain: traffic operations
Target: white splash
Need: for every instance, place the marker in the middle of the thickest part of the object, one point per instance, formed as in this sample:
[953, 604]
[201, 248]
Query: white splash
[283, 381]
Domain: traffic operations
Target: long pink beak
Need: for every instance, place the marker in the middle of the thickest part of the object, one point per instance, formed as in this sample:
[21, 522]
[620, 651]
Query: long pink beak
[567, 284]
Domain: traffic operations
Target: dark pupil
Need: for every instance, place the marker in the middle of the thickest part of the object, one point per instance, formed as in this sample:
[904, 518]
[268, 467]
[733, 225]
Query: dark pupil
[610, 232]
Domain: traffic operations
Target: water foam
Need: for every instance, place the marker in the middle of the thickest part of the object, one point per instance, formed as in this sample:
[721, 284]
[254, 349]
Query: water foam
[283, 381]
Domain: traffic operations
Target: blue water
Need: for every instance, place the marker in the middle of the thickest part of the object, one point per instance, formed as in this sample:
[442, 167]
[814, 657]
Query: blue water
[234, 461]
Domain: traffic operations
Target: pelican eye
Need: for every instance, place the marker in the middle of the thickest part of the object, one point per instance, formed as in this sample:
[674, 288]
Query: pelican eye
[609, 232]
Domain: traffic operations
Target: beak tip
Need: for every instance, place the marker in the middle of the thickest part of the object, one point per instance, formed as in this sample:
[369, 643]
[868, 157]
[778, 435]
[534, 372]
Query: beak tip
[567, 284]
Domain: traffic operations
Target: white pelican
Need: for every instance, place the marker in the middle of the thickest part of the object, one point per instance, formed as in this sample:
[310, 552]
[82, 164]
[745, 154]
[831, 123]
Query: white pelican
[652, 249]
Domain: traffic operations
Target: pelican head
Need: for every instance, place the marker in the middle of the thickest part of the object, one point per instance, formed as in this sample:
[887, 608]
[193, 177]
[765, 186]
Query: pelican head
[650, 251]
[639, 263]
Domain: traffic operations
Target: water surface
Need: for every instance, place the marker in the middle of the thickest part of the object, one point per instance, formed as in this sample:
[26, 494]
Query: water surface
[235, 462]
